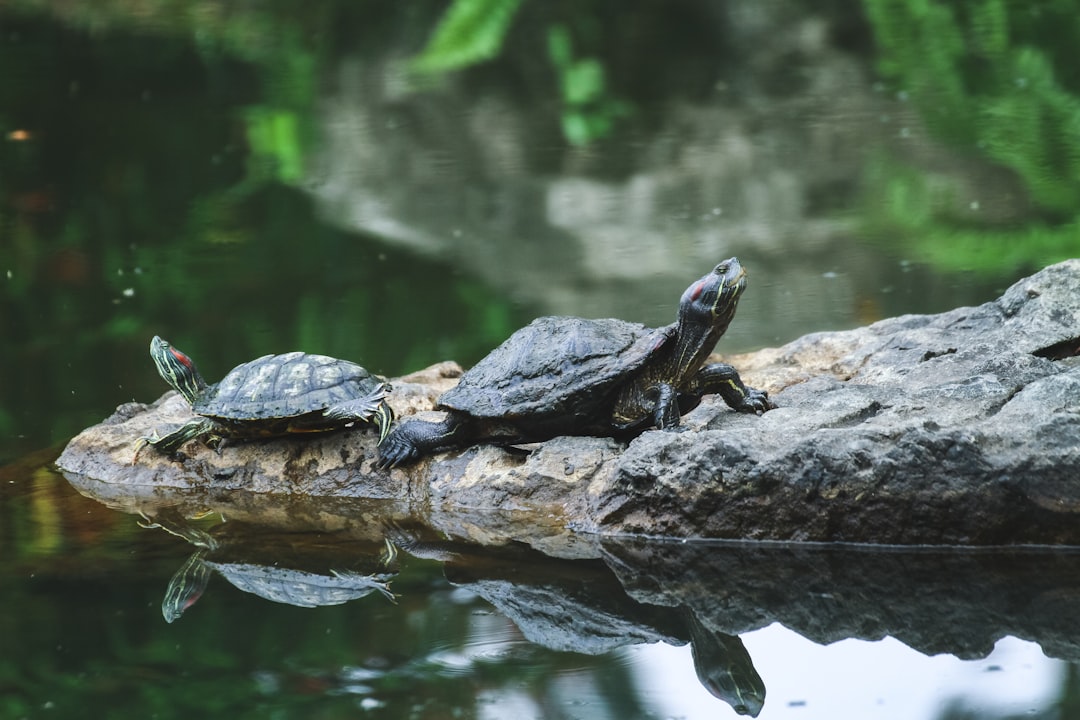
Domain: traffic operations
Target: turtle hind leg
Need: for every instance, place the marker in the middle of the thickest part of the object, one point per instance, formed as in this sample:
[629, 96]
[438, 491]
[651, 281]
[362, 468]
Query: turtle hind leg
[411, 440]
[172, 442]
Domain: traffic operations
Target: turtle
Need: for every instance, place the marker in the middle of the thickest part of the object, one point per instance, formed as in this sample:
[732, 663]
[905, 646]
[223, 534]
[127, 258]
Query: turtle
[271, 396]
[301, 588]
[577, 376]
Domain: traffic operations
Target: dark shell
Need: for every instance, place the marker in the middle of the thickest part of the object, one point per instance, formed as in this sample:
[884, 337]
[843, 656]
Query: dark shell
[556, 366]
[280, 386]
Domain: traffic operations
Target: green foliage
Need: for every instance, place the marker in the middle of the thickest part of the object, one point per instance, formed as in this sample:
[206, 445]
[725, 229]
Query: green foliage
[470, 32]
[473, 31]
[994, 78]
[984, 76]
[1034, 128]
[589, 112]
[276, 146]
[910, 208]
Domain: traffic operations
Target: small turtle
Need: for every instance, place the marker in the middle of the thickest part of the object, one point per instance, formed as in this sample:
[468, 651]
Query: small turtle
[572, 376]
[271, 396]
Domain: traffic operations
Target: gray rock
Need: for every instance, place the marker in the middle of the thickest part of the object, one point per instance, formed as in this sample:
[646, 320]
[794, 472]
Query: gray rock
[957, 428]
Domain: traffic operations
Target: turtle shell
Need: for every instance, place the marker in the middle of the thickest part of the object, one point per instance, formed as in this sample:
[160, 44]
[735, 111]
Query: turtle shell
[299, 587]
[281, 386]
[555, 366]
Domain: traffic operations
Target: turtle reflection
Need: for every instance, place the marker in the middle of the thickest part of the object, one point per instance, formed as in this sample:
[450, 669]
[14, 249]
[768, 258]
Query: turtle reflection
[581, 606]
[725, 668]
[281, 577]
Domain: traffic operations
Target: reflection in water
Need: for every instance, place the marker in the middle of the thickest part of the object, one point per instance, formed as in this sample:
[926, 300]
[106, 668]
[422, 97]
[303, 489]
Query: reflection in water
[283, 585]
[185, 587]
[235, 559]
[725, 669]
[886, 680]
[172, 522]
[562, 598]
[570, 606]
[579, 606]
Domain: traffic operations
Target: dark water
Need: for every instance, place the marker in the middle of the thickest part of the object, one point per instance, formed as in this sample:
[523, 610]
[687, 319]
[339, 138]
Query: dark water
[245, 181]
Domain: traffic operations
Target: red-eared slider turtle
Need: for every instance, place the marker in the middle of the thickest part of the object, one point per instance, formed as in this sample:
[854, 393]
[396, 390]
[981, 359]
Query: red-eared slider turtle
[571, 376]
[271, 396]
[301, 588]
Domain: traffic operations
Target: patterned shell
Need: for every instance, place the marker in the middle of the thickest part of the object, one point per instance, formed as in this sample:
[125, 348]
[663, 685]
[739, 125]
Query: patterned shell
[555, 366]
[280, 386]
[299, 587]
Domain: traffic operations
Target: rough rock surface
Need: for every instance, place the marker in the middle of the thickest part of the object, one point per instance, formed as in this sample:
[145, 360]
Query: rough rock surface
[957, 428]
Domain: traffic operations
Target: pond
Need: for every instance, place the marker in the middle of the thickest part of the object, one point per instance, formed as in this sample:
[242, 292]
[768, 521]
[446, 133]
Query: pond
[245, 181]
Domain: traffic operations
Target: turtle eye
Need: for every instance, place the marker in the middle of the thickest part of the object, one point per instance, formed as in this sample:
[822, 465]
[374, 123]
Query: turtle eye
[721, 269]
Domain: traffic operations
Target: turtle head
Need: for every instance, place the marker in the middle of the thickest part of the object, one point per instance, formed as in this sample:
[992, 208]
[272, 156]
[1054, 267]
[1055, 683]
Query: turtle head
[177, 369]
[705, 311]
[710, 302]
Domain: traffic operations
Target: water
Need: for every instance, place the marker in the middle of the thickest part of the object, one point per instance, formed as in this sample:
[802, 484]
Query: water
[609, 629]
[251, 182]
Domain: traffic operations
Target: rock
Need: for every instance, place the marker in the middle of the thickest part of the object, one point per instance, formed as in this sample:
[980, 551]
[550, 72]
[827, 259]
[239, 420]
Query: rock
[958, 428]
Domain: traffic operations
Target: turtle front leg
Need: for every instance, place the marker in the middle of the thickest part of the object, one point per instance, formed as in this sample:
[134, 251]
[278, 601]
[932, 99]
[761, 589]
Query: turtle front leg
[723, 379]
[370, 408]
[174, 440]
[670, 405]
[666, 410]
[413, 439]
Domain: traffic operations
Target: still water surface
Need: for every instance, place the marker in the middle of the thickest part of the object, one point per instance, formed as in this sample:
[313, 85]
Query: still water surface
[622, 629]
[242, 196]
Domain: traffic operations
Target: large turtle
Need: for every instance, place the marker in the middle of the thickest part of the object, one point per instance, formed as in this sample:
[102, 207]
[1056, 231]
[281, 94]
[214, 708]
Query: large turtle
[271, 396]
[572, 376]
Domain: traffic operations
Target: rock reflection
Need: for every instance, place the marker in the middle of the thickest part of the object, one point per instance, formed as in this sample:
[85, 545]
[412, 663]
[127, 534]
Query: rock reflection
[934, 600]
[584, 594]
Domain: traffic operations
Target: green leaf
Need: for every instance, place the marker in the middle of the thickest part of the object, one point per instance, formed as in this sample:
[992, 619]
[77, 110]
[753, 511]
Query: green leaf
[583, 82]
[575, 126]
[470, 32]
[560, 48]
[275, 134]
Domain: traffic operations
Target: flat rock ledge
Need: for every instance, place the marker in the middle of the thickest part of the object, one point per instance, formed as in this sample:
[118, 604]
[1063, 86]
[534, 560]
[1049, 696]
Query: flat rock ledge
[961, 428]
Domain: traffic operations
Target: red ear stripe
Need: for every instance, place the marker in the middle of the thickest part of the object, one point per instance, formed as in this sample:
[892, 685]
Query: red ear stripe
[182, 358]
[696, 292]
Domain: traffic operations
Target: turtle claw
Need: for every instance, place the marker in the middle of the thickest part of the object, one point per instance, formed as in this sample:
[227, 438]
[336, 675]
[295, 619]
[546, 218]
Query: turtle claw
[141, 442]
[756, 401]
[153, 439]
[400, 446]
[393, 453]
